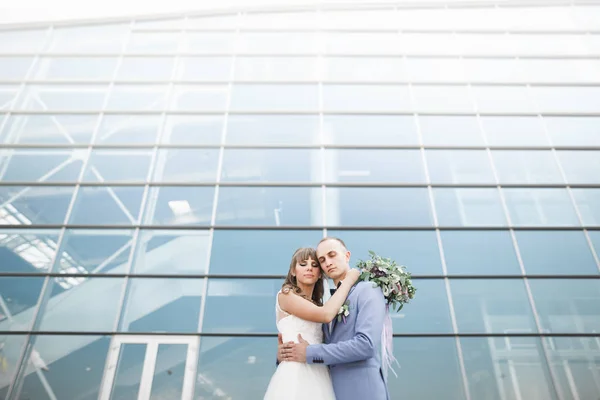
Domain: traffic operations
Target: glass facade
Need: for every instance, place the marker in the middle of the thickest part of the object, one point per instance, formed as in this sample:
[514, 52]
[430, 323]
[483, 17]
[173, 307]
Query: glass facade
[157, 175]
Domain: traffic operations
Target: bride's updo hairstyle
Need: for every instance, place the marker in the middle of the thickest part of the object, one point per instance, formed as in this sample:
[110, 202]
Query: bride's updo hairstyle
[290, 283]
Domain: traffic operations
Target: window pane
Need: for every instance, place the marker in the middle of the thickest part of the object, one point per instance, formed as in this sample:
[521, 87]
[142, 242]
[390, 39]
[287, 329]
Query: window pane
[162, 305]
[82, 304]
[199, 98]
[61, 98]
[442, 99]
[588, 203]
[555, 253]
[450, 131]
[27, 250]
[48, 129]
[566, 99]
[276, 69]
[459, 166]
[153, 42]
[172, 252]
[514, 131]
[435, 70]
[273, 129]
[128, 129]
[595, 239]
[468, 207]
[366, 98]
[526, 167]
[42, 165]
[204, 68]
[492, 306]
[107, 205]
[426, 44]
[378, 206]
[581, 166]
[11, 353]
[231, 305]
[24, 205]
[502, 99]
[359, 19]
[271, 165]
[507, 368]
[95, 252]
[540, 207]
[361, 43]
[480, 253]
[363, 69]
[145, 69]
[19, 297]
[270, 206]
[417, 250]
[186, 165]
[370, 130]
[431, 300]
[8, 96]
[576, 311]
[14, 68]
[299, 19]
[192, 129]
[277, 43]
[274, 97]
[118, 165]
[22, 41]
[139, 97]
[404, 166]
[180, 206]
[560, 71]
[482, 70]
[75, 68]
[91, 39]
[574, 131]
[208, 43]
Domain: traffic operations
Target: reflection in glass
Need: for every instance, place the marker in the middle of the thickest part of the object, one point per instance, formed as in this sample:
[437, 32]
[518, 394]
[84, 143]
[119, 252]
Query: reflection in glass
[127, 129]
[366, 98]
[137, 97]
[162, 305]
[270, 206]
[417, 250]
[179, 206]
[573, 131]
[273, 129]
[580, 166]
[256, 97]
[186, 165]
[345, 165]
[507, 368]
[169, 371]
[192, 129]
[468, 207]
[11, 348]
[245, 251]
[128, 372]
[14, 68]
[595, 239]
[459, 166]
[22, 40]
[48, 129]
[370, 130]
[8, 95]
[41, 165]
[378, 206]
[479, 253]
[271, 165]
[145, 69]
[118, 165]
[72, 366]
[431, 300]
[231, 305]
[526, 166]
[555, 253]
[442, 98]
[61, 98]
[492, 306]
[27, 250]
[588, 204]
[95, 252]
[107, 205]
[75, 68]
[18, 302]
[172, 252]
[540, 207]
[24, 205]
[86, 304]
[450, 131]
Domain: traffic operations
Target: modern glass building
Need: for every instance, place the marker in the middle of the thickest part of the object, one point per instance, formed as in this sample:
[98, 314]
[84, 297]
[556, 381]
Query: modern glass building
[156, 176]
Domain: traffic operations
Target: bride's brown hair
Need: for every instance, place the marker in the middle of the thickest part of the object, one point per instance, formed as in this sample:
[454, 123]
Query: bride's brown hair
[290, 283]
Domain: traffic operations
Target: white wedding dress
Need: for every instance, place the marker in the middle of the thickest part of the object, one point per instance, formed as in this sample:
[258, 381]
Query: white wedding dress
[294, 380]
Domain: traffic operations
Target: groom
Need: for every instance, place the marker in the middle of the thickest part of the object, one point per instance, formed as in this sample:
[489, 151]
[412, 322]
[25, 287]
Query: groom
[351, 349]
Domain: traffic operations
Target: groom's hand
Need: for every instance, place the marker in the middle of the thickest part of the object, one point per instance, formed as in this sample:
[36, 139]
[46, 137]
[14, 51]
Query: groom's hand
[295, 351]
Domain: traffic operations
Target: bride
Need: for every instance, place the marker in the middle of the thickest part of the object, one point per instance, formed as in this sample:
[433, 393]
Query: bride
[300, 310]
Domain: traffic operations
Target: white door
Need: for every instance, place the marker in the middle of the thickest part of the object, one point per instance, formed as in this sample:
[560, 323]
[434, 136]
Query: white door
[150, 367]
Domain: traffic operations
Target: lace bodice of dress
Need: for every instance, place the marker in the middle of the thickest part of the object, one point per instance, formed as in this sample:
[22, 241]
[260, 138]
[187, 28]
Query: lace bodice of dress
[290, 326]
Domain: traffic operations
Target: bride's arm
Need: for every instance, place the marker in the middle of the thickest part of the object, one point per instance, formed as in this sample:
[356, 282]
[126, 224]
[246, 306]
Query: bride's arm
[298, 306]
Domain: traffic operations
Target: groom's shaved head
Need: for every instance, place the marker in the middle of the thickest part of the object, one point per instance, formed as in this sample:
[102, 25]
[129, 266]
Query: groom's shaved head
[340, 241]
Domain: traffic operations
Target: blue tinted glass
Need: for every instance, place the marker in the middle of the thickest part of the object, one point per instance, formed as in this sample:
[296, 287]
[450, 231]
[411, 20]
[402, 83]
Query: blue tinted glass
[269, 206]
[272, 129]
[162, 305]
[118, 165]
[479, 252]
[255, 97]
[42, 165]
[574, 131]
[459, 166]
[172, 205]
[574, 311]
[192, 129]
[96, 252]
[468, 207]
[421, 359]
[29, 250]
[254, 247]
[107, 205]
[595, 239]
[11, 355]
[450, 131]
[431, 300]
[443, 98]
[514, 131]
[36, 205]
[556, 252]
[370, 129]
[506, 368]
[502, 99]
[186, 165]
[588, 203]
[271, 165]
[366, 98]
[19, 296]
[405, 166]
[377, 206]
[417, 250]
[82, 304]
[540, 207]
[231, 305]
[526, 167]
[580, 166]
[491, 306]
[128, 129]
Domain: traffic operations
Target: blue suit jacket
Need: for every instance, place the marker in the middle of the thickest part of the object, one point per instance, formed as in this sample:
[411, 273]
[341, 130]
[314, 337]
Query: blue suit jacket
[353, 349]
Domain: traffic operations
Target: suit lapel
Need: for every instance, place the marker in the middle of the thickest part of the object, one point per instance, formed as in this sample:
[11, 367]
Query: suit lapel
[335, 320]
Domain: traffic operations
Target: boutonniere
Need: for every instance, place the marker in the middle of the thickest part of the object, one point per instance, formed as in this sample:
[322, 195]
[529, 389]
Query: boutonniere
[343, 312]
